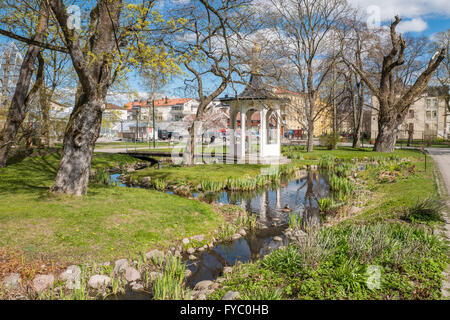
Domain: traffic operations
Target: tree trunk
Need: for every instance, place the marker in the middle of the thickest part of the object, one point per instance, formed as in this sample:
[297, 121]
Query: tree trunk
[45, 109]
[94, 77]
[387, 137]
[357, 138]
[310, 136]
[79, 142]
[19, 104]
[189, 151]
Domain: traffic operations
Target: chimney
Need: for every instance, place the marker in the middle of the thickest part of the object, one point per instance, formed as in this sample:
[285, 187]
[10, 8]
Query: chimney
[166, 100]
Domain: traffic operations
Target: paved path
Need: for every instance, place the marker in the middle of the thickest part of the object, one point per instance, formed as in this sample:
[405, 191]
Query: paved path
[442, 158]
[130, 149]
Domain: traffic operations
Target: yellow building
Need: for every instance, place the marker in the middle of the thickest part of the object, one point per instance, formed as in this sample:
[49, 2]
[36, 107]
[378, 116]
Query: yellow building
[293, 114]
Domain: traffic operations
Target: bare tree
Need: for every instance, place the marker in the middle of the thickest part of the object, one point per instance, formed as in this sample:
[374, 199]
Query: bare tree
[207, 43]
[358, 43]
[395, 93]
[304, 29]
[442, 74]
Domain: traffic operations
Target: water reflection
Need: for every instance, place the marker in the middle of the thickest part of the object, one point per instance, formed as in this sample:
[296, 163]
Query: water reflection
[300, 195]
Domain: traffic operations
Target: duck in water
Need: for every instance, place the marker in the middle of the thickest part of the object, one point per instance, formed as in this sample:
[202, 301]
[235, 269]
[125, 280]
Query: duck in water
[286, 209]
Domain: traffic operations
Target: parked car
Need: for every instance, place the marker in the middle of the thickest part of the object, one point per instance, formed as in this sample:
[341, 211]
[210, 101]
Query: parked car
[163, 134]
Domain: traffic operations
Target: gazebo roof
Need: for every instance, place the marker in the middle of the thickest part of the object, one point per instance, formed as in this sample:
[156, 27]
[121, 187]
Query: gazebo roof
[256, 89]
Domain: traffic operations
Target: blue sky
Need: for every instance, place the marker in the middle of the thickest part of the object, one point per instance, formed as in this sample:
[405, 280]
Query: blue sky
[420, 18]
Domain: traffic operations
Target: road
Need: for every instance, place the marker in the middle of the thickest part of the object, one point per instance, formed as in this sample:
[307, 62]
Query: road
[442, 159]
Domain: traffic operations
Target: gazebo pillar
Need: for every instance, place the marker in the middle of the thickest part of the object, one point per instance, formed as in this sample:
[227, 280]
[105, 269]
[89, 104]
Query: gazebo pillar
[243, 122]
[278, 112]
[262, 132]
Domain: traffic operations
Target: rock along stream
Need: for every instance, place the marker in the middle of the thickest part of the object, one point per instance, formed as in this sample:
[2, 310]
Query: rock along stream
[301, 195]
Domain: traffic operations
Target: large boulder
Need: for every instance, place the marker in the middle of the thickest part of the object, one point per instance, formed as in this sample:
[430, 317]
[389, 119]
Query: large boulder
[72, 276]
[131, 274]
[203, 285]
[155, 255]
[231, 295]
[120, 266]
[12, 281]
[99, 281]
[43, 282]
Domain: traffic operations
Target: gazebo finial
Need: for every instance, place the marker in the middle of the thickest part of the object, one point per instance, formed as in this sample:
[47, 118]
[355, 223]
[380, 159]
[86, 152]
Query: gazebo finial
[256, 51]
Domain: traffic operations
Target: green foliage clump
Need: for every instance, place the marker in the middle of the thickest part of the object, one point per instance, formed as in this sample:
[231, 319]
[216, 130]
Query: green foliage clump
[101, 176]
[295, 221]
[326, 162]
[170, 285]
[428, 211]
[342, 187]
[325, 204]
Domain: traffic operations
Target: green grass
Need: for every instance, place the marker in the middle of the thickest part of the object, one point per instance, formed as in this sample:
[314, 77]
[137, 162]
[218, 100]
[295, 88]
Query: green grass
[211, 176]
[109, 222]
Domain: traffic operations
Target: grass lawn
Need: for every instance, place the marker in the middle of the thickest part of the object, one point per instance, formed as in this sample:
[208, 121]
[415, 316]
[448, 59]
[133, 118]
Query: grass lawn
[377, 254]
[195, 175]
[109, 222]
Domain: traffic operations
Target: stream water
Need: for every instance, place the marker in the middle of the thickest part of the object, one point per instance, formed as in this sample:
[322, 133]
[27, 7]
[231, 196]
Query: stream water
[301, 195]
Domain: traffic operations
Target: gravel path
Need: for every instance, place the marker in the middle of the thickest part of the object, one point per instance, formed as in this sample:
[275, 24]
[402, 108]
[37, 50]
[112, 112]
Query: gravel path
[442, 158]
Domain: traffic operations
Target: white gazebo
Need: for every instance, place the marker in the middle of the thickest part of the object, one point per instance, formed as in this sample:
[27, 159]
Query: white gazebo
[257, 103]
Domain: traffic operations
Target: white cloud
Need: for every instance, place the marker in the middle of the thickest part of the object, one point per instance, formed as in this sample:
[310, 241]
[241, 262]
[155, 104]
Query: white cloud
[405, 8]
[413, 25]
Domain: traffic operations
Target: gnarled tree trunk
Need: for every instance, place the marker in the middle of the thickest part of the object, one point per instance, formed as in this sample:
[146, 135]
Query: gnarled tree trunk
[387, 137]
[79, 142]
[84, 124]
[393, 104]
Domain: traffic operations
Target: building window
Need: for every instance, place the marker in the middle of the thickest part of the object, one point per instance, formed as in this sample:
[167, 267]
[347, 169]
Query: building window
[434, 114]
[411, 114]
[428, 115]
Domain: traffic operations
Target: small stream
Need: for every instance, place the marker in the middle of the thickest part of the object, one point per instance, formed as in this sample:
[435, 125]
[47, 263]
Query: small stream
[300, 195]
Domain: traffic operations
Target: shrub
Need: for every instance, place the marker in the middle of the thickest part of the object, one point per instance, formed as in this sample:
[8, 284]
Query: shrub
[330, 140]
[286, 260]
[429, 210]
